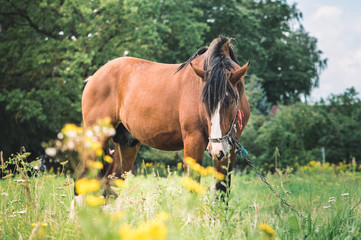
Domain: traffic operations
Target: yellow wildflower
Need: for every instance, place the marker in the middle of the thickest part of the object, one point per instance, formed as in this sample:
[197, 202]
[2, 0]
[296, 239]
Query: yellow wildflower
[120, 183]
[70, 127]
[99, 152]
[117, 215]
[195, 166]
[212, 171]
[104, 121]
[94, 200]
[96, 164]
[94, 145]
[71, 130]
[179, 166]
[267, 229]
[203, 171]
[312, 163]
[84, 185]
[157, 230]
[97, 148]
[108, 159]
[162, 216]
[44, 224]
[192, 185]
[149, 164]
[153, 230]
[189, 161]
[34, 224]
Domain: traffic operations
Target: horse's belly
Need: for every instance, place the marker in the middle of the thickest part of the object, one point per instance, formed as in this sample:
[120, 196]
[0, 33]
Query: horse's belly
[163, 142]
[157, 136]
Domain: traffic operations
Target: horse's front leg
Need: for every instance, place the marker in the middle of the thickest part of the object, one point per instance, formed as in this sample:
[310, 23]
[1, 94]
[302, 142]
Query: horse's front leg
[224, 166]
[194, 147]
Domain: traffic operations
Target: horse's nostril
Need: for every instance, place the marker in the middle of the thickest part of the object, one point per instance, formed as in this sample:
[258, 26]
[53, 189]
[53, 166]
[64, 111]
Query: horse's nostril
[221, 155]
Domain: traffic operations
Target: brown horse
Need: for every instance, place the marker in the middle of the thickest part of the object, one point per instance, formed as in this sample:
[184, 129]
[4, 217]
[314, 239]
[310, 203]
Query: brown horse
[170, 107]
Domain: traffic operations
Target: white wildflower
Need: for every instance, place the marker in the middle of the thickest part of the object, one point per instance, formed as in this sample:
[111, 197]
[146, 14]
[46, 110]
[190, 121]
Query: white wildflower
[70, 145]
[51, 152]
[20, 212]
[331, 199]
[71, 134]
[60, 136]
[89, 133]
[20, 181]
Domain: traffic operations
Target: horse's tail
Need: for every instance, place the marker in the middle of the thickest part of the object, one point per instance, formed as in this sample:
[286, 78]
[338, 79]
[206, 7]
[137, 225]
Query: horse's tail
[198, 53]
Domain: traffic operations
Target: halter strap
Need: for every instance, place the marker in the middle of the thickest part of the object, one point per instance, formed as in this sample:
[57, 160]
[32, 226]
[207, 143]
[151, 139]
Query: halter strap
[229, 133]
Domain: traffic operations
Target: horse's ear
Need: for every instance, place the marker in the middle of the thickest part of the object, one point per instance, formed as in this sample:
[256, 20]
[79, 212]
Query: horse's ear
[198, 71]
[237, 75]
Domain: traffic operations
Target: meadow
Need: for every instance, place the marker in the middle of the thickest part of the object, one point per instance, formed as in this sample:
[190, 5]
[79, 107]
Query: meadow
[153, 207]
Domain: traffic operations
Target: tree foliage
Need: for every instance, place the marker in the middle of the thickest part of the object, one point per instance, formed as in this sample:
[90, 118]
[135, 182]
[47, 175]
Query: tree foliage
[49, 47]
[299, 131]
[285, 57]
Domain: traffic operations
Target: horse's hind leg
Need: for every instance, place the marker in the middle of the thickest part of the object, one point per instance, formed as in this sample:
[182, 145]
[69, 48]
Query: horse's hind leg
[127, 158]
[125, 151]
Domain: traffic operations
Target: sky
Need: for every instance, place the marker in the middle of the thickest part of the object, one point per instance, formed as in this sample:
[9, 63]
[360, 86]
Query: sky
[337, 26]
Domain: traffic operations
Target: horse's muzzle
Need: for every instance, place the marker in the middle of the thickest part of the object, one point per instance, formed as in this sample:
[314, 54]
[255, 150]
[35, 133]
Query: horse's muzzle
[218, 150]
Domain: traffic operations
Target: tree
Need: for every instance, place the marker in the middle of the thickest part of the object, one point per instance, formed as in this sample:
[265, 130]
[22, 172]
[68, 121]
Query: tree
[287, 60]
[342, 131]
[299, 131]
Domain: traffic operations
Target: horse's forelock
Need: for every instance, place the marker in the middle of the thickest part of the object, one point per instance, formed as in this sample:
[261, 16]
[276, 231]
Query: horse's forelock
[218, 63]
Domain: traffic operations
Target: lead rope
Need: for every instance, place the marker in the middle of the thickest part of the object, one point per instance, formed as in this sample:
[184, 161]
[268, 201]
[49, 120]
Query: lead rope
[240, 151]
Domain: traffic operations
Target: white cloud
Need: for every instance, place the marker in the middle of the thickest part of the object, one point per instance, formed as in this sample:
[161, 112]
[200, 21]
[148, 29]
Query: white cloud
[339, 39]
[326, 22]
[352, 63]
[328, 12]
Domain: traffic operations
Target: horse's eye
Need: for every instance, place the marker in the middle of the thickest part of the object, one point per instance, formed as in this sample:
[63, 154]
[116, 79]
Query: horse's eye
[230, 102]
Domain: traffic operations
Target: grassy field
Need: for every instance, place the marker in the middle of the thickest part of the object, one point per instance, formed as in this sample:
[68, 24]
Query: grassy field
[150, 206]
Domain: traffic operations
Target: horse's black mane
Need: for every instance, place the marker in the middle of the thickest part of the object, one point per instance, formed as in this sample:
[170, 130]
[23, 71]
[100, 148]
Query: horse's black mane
[216, 63]
[217, 85]
[198, 53]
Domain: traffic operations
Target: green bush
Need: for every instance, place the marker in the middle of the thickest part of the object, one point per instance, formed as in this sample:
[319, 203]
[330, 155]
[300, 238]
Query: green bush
[296, 133]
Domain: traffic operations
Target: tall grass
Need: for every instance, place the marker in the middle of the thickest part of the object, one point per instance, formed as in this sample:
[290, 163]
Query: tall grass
[153, 207]
[39, 208]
